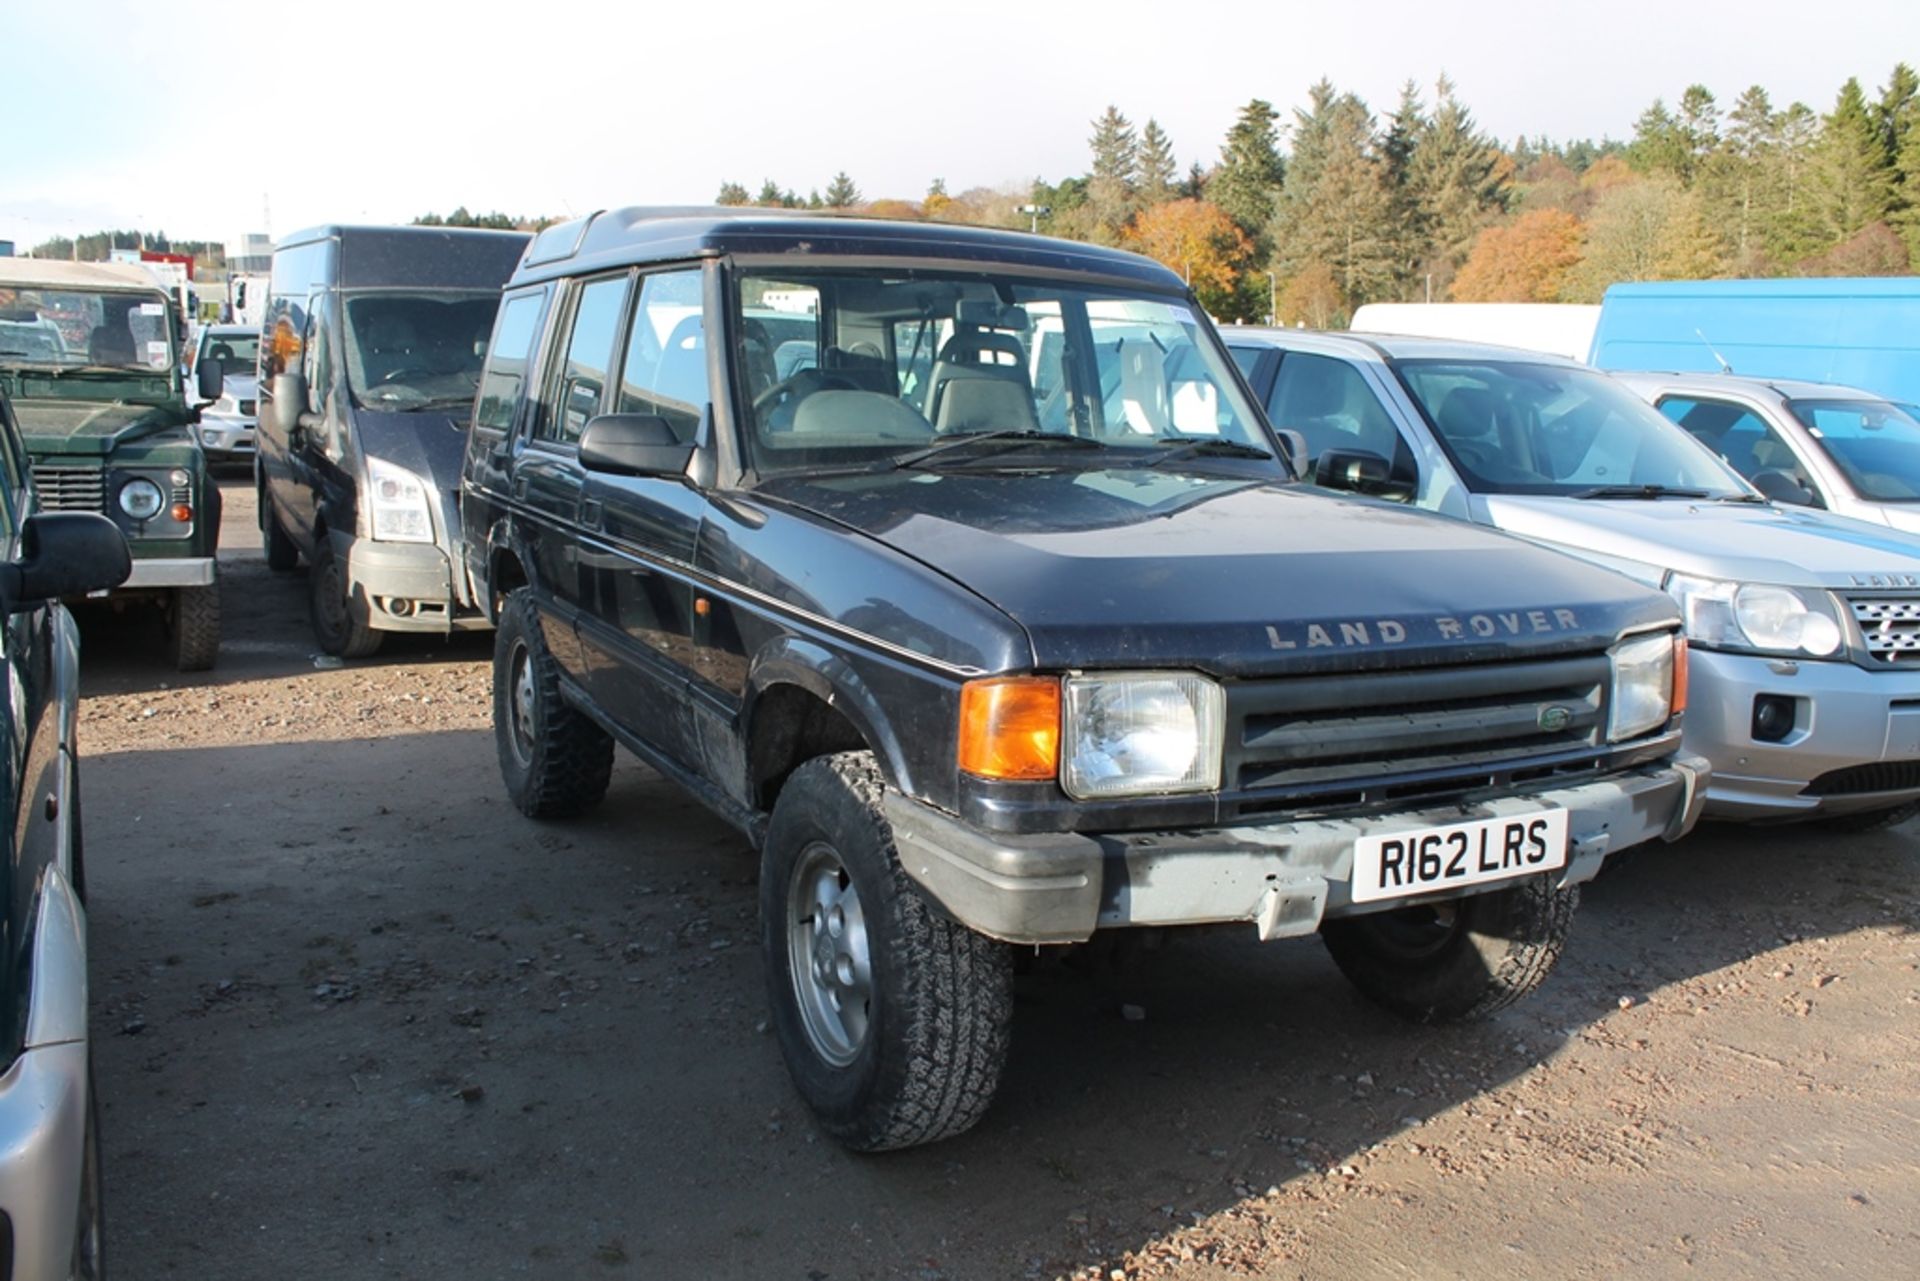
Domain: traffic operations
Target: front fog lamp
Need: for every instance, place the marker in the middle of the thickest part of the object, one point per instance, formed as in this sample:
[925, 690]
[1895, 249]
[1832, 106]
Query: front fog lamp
[141, 499]
[399, 504]
[1140, 733]
[1649, 684]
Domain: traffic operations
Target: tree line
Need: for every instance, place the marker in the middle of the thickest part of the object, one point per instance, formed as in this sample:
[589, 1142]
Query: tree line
[1307, 216]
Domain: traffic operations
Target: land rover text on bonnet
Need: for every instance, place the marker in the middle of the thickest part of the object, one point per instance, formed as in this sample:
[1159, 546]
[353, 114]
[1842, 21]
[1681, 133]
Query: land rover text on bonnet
[959, 571]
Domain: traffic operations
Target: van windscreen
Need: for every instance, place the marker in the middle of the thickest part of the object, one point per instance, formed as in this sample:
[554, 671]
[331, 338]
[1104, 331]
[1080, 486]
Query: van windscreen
[409, 351]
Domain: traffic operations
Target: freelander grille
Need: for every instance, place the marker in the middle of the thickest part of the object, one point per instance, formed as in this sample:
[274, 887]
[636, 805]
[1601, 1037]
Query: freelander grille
[1376, 736]
[1889, 625]
[71, 489]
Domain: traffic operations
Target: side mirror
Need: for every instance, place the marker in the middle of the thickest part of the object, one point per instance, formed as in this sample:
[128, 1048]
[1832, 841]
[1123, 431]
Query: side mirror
[289, 402]
[1353, 469]
[209, 377]
[633, 445]
[64, 554]
[1296, 446]
[1782, 488]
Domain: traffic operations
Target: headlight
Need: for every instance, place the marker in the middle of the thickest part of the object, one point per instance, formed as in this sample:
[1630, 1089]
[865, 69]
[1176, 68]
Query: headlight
[1649, 684]
[1139, 733]
[1758, 616]
[141, 499]
[398, 503]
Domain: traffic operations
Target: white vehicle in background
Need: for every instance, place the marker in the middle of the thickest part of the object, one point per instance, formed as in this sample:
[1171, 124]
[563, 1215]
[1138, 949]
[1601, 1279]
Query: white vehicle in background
[1814, 444]
[247, 299]
[227, 426]
[1557, 328]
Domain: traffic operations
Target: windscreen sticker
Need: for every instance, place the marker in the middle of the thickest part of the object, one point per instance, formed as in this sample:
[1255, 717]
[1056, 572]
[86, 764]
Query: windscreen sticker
[153, 309]
[157, 354]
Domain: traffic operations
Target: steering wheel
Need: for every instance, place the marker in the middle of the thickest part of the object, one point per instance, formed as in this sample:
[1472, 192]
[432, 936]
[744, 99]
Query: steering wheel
[799, 387]
[1475, 457]
[403, 373]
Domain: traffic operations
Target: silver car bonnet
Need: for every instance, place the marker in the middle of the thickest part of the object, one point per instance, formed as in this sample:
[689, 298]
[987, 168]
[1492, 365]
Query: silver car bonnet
[1744, 542]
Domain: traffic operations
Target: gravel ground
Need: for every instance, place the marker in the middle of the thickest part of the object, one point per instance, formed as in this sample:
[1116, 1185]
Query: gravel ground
[355, 1017]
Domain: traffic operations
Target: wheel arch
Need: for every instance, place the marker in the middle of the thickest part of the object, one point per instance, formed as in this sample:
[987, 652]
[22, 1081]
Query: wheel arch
[803, 701]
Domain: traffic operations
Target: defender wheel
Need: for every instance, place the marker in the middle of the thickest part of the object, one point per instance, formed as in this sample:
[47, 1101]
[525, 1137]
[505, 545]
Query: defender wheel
[282, 555]
[337, 624]
[1458, 959]
[894, 1021]
[194, 627]
[1872, 820]
[555, 761]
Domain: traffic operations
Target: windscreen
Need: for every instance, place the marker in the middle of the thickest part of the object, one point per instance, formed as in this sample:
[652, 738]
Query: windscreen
[1874, 443]
[237, 353]
[84, 327]
[1516, 427]
[849, 366]
[417, 351]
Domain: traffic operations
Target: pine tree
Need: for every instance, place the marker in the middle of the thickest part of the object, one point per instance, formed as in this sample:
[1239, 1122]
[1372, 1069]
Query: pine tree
[841, 193]
[1737, 182]
[1335, 208]
[1459, 177]
[1698, 129]
[1658, 145]
[1251, 173]
[1907, 219]
[1158, 170]
[1412, 230]
[731, 193]
[1897, 113]
[1793, 230]
[1854, 179]
[769, 194]
[1111, 182]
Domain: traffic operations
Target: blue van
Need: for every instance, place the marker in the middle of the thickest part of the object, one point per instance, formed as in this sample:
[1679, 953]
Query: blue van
[1861, 332]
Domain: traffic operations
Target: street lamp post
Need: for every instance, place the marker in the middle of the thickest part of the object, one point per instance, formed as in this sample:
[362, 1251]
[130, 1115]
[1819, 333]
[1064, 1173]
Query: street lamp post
[1035, 213]
[1273, 299]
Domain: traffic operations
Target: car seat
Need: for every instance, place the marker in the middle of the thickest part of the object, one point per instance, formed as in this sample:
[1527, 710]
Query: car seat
[966, 392]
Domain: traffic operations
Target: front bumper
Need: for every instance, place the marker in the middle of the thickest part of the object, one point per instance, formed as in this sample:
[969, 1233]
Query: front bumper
[1845, 717]
[1283, 877]
[43, 1126]
[405, 587]
[225, 437]
[168, 571]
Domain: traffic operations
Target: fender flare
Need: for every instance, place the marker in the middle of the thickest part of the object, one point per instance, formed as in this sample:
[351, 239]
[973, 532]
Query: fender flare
[793, 660]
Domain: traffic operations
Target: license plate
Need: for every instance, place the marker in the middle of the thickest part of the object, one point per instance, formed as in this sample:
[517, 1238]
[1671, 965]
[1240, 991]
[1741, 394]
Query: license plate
[1475, 852]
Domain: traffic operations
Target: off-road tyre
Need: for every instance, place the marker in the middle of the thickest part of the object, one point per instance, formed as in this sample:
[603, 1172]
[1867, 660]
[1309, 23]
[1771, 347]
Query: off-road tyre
[283, 555]
[1458, 959]
[193, 627]
[1871, 820]
[337, 624]
[939, 1012]
[554, 760]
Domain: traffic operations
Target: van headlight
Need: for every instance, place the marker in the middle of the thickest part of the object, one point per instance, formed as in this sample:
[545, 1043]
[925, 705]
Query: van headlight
[1759, 616]
[1140, 733]
[398, 503]
[1649, 684]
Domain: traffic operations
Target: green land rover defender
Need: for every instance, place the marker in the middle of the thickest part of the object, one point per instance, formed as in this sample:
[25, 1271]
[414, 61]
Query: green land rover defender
[90, 357]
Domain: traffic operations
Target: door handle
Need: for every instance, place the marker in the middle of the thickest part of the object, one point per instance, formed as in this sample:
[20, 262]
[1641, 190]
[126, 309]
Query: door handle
[591, 511]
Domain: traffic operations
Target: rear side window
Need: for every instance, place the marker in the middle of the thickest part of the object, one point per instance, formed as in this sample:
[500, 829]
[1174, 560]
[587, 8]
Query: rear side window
[1327, 401]
[583, 379]
[665, 371]
[507, 355]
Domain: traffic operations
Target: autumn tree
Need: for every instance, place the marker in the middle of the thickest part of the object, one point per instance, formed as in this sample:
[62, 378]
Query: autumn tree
[1648, 230]
[937, 200]
[841, 193]
[1528, 260]
[1198, 240]
[1313, 299]
[1874, 250]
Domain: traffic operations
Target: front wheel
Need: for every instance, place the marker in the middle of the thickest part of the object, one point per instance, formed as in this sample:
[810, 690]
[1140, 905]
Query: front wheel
[1460, 958]
[894, 1021]
[195, 627]
[554, 760]
[339, 624]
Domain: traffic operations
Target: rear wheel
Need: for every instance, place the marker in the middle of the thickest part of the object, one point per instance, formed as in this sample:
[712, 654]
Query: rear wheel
[554, 760]
[339, 624]
[194, 627]
[894, 1021]
[1872, 820]
[1460, 958]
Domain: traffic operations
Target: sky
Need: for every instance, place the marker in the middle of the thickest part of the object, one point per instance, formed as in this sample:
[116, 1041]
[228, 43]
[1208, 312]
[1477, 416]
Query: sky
[209, 120]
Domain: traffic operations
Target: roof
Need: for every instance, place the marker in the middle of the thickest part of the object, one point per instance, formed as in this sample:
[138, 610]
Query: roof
[652, 234]
[60, 274]
[1810, 287]
[414, 256]
[1388, 346]
[1791, 388]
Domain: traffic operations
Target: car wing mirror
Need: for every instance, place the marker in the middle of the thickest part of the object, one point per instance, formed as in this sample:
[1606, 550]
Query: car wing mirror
[633, 445]
[209, 379]
[1782, 488]
[1357, 470]
[1296, 446]
[64, 554]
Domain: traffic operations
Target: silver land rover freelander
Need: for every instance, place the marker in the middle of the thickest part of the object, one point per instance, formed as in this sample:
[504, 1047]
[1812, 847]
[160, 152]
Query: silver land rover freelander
[1804, 627]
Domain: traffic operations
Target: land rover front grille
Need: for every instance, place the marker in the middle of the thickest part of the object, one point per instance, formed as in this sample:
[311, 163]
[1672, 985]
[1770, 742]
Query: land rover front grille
[1889, 625]
[71, 489]
[1384, 735]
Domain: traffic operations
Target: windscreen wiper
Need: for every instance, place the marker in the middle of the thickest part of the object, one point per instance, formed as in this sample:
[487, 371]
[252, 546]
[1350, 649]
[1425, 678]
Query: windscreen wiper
[1640, 491]
[1207, 446]
[1006, 438]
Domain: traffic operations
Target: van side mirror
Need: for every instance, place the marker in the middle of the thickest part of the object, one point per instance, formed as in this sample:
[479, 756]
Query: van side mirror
[289, 402]
[1782, 488]
[209, 378]
[64, 554]
[633, 445]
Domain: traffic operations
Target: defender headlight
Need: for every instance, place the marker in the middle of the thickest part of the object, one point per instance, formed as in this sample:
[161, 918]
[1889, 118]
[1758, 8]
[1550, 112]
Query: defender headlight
[398, 504]
[141, 499]
[1140, 733]
[1758, 616]
[1649, 684]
